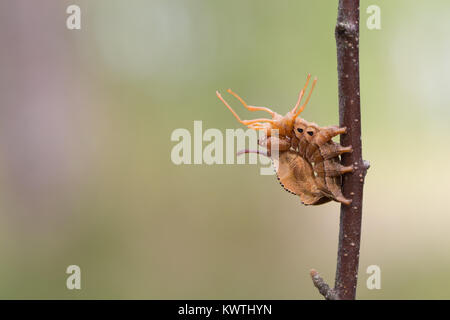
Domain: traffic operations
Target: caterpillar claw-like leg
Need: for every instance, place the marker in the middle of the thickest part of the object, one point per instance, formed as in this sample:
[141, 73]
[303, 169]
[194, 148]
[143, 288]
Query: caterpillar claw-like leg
[261, 152]
[341, 130]
[251, 108]
[302, 92]
[342, 149]
[344, 200]
[346, 169]
[244, 122]
[247, 122]
[300, 110]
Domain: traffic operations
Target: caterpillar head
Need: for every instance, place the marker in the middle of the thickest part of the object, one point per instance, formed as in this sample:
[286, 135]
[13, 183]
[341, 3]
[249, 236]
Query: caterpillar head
[305, 130]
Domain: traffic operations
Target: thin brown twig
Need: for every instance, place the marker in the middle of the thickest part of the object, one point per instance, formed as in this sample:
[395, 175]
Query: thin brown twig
[347, 43]
[322, 286]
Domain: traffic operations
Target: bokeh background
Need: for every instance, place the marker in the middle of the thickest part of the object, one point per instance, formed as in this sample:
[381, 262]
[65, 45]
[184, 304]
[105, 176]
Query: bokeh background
[86, 176]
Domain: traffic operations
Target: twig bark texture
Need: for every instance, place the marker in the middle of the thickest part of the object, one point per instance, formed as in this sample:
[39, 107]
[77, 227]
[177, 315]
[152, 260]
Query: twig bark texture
[347, 42]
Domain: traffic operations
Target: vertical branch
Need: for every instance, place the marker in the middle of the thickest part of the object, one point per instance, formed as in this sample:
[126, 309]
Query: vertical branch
[347, 43]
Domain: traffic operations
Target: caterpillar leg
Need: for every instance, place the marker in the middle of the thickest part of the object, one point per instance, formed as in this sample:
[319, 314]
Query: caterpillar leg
[346, 169]
[244, 122]
[334, 187]
[336, 169]
[300, 110]
[344, 200]
[331, 168]
[314, 200]
[342, 149]
[302, 92]
[251, 108]
[335, 151]
[339, 130]
[252, 151]
[329, 151]
[326, 134]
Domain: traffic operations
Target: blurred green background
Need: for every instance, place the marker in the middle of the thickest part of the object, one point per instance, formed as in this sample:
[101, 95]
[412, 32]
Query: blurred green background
[86, 176]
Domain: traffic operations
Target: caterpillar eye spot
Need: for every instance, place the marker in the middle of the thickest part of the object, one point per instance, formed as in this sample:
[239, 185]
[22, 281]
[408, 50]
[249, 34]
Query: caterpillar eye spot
[300, 130]
[310, 133]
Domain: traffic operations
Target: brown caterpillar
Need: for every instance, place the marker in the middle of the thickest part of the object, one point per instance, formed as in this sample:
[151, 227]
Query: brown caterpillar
[308, 164]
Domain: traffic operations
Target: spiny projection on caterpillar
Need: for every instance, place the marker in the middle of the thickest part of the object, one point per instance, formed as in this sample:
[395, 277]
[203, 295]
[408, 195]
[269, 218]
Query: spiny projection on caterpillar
[308, 163]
